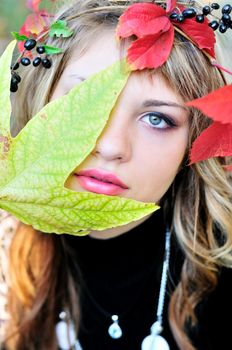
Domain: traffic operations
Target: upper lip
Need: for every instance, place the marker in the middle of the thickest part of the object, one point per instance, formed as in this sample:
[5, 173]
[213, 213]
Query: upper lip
[103, 176]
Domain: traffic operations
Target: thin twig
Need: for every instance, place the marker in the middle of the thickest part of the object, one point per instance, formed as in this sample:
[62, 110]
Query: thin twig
[97, 9]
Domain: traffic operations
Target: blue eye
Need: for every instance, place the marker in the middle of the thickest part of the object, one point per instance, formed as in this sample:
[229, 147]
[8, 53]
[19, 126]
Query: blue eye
[159, 120]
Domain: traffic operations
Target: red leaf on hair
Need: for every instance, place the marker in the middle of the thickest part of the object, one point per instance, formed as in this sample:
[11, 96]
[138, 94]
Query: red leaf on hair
[24, 31]
[215, 141]
[37, 22]
[151, 51]
[171, 4]
[201, 34]
[142, 19]
[228, 167]
[33, 5]
[217, 105]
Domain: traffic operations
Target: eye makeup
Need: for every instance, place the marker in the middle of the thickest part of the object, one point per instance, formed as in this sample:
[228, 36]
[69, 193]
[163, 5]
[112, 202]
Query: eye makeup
[174, 114]
[161, 121]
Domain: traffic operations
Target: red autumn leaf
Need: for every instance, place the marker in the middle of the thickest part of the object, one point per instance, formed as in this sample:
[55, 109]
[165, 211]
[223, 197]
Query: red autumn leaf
[37, 22]
[34, 25]
[23, 31]
[147, 21]
[171, 4]
[215, 141]
[217, 105]
[228, 168]
[151, 51]
[201, 34]
[142, 19]
[33, 5]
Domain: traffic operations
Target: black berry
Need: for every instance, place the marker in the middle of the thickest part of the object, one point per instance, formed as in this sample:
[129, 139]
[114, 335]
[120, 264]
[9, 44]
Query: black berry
[40, 49]
[215, 6]
[173, 16]
[13, 85]
[200, 18]
[226, 8]
[214, 25]
[16, 66]
[226, 18]
[46, 63]
[25, 61]
[222, 28]
[180, 18]
[16, 77]
[189, 13]
[206, 10]
[14, 80]
[30, 44]
[37, 61]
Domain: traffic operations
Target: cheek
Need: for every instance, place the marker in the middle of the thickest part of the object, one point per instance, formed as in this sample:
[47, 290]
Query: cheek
[62, 88]
[159, 164]
[56, 93]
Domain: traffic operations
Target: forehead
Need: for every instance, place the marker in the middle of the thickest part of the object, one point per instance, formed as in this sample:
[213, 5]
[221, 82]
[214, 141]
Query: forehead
[101, 53]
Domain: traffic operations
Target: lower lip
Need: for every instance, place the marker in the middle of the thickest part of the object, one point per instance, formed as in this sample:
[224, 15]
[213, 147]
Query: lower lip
[94, 185]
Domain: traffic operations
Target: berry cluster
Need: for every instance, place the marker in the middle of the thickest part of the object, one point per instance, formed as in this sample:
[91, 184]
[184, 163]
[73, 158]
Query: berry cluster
[224, 23]
[29, 45]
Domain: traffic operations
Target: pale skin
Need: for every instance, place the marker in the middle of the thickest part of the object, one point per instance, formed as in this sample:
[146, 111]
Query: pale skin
[144, 142]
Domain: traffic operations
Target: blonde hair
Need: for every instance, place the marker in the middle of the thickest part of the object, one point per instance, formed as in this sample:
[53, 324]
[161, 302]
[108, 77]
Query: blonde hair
[202, 224]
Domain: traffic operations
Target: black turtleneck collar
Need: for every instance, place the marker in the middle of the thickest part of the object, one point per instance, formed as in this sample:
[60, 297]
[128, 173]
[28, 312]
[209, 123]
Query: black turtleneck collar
[140, 243]
[122, 276]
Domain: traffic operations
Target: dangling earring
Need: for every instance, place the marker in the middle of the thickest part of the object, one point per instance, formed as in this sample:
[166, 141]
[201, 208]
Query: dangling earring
[66, 334]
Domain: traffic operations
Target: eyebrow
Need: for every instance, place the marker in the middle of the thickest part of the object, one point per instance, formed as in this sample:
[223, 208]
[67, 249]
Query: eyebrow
[160, 103]
[146, 103]
[76, 76]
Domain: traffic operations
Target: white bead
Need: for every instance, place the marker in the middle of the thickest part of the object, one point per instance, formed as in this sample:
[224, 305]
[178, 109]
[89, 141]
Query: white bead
[64, 333]
[78, 346]
[115, 331]
[156, 328]
[62, 315]
[154, 343]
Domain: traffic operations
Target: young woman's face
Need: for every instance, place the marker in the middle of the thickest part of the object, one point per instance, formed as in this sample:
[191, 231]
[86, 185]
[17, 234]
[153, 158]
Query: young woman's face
[145, 139]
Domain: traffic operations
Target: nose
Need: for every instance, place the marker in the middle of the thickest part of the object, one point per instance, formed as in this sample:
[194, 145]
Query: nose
[115, 142]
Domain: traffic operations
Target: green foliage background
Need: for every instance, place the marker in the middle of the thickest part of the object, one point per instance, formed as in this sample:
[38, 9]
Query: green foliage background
[12, 15]
[14, 12]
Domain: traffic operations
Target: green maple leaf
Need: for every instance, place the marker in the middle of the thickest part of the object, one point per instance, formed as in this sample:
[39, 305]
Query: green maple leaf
[50, 50]
[35, 164]
[60, 28]
[19, 37]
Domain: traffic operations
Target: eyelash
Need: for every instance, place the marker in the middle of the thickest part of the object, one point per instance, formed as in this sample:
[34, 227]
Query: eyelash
[169, 122]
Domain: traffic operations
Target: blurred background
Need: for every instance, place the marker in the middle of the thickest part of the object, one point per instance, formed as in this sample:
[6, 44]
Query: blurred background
[12, 16]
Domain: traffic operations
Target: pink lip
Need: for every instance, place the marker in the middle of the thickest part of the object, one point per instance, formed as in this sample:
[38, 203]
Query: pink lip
[100, 182]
